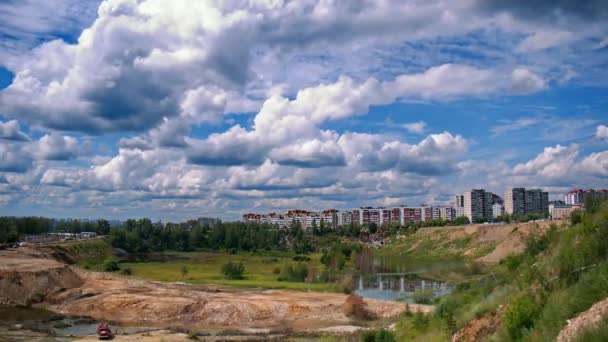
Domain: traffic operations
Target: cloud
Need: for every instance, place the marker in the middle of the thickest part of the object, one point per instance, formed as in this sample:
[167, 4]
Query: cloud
[517, 125]
[56, 147]
[524, 81]
[415, 127]
[14, 159]
[311, 153]
[543, 40]
[10, 130]
[296, 122]
[601, 132]
[141, 62]
[554, 163]
[25, 23]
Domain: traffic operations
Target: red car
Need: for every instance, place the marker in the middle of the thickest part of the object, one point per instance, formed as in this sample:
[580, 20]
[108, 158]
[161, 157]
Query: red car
[104, 332]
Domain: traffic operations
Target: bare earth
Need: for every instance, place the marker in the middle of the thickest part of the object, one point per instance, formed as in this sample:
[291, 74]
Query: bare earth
[586, 320]
[28, 276]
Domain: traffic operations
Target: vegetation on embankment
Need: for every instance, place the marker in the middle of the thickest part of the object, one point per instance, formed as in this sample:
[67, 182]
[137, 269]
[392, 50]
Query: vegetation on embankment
[84, 253]
[528, 296]
[463, 242]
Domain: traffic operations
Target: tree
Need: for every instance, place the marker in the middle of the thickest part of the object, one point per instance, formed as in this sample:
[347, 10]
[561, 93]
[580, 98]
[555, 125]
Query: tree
[373, 227]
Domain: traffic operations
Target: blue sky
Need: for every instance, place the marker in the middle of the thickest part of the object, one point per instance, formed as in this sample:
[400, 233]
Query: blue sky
[179, 109]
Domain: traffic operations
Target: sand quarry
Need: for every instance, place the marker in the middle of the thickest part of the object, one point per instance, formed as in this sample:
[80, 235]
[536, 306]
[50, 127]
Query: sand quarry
[28, 276]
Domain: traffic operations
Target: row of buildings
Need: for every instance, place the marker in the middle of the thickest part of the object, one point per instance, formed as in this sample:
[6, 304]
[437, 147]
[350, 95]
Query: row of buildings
[579, 196]
[363, 216]
[477, 205]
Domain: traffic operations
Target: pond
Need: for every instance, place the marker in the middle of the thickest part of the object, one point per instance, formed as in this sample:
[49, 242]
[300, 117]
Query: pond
[401, 278]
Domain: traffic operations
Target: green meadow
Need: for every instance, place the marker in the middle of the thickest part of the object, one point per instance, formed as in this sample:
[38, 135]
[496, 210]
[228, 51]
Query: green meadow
[205, 268]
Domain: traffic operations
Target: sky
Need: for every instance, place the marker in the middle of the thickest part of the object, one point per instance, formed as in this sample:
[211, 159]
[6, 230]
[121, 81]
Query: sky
[176, 109]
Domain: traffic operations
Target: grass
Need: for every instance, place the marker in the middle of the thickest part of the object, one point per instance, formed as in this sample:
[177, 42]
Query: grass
[93, 251]
[436, 246]
[205, 268]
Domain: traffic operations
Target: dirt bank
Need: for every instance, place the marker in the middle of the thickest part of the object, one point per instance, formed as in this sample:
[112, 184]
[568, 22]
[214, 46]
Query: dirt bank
[586, 320]
[102, 296]
[27, 277]
[480, 329]
[486, 243]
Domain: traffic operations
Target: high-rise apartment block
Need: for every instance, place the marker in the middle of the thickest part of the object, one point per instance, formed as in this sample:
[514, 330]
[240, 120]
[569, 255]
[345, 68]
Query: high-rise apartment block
[478, 205]
[519, 201]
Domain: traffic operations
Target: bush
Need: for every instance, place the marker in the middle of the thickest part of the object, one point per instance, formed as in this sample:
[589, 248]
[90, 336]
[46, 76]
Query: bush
[301, 258]
[276, 270]
[185, 271]
[421, 321]
[519, 316]
[111, 265]
[297, 272]
[232, 270]
[381, 335]
[126, 271]
[354, 306]
[423, 296]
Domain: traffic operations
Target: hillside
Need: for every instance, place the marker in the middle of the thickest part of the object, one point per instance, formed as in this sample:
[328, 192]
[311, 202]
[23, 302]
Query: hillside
[485, 243]
[537, 279]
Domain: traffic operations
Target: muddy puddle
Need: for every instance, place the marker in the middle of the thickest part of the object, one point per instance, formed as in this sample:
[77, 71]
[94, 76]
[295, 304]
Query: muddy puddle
[24, 324]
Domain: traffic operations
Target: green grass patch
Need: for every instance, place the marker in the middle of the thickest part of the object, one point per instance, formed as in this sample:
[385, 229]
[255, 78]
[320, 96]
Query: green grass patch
[206, 268]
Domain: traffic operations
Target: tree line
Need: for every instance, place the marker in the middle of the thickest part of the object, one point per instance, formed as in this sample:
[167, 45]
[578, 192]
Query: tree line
[12, 228]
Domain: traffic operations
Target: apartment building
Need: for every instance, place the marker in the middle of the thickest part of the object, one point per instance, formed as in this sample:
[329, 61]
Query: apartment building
[446, 213]
[411, 215]
[520, 201]
[497, 210]
[478, 205]
[459, 212]
[515, 201]
[579, 196]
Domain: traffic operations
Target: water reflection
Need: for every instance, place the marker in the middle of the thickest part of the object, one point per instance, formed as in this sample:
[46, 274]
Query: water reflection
[400, 277]
[399, 286]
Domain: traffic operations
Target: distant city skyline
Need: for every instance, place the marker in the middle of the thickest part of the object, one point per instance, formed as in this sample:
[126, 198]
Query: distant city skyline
[177, 109]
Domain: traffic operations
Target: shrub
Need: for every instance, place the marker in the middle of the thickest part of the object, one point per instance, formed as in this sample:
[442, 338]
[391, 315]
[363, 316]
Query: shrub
[185, 271]
[346, 285]
[297, 272]
[423, 296]
[519, 316]
[232, 270]
[276, 270]
[301, 258]
[354, 306]
[111, 265]
[126, 271]
[381, 335]
[421, 321]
